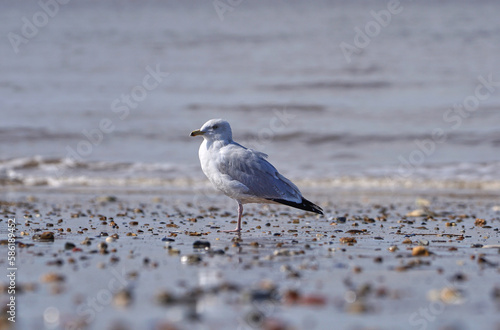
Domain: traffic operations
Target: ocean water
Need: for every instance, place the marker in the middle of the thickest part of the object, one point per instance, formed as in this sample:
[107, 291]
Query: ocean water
[338, 93]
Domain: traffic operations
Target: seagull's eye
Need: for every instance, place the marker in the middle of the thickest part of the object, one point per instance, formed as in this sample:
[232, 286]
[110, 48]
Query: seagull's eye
[215, 126]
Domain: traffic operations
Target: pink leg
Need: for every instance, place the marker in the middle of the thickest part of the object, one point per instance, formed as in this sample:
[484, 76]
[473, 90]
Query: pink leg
[238, 226]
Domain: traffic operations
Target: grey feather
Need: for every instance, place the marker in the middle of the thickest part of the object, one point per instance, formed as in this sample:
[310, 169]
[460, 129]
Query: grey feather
[251, 169]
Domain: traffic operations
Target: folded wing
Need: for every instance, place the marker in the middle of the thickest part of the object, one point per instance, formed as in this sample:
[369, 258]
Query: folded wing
[251, 169]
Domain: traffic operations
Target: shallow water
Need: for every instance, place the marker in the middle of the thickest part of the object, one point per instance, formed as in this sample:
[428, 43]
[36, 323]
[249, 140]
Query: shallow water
[275, 71]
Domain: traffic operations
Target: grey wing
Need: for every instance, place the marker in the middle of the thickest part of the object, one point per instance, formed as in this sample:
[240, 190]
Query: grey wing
[257, 174]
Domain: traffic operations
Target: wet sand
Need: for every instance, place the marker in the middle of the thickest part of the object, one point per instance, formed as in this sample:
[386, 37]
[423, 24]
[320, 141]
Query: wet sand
[157, 260]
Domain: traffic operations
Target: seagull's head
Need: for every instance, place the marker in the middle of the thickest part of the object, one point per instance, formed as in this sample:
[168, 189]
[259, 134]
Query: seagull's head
[214, 130]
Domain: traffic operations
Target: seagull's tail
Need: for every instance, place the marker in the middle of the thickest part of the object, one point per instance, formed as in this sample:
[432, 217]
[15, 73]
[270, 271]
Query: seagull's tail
[303, 205]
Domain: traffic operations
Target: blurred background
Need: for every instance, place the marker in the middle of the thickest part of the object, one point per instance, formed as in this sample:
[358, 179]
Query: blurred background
[360, 93]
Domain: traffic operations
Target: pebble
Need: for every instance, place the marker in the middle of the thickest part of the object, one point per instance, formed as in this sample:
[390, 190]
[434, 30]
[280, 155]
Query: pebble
[201, 245]
[122, 298]
[348, 240]
[393, 248]
[291, 297]
[447, 295]
[86, 241]
[46, 236]
[417, 213]
[191, 259]
[103, 247]
[165, 298]
[420, 251]
[259, 295]
[341, 219]
[172, 251]
[52, 277]
[69, 246]
[480, 222]
[105, 199]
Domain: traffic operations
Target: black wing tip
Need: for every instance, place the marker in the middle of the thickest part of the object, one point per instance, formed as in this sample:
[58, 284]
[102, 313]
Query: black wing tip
[303, 205]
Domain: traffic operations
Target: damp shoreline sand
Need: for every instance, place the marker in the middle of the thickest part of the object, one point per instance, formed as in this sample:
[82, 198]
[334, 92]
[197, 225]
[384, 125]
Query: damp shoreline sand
[353, 268]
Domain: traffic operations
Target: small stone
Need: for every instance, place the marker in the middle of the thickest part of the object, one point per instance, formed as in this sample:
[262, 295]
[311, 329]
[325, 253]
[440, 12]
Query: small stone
[417, 213]
[69, 246]
[201, 245]
[480, 222]
[86, 241]
[218, 252]
[355, 232]
[458, 277]
[393, 248]
[348, 240]
[291, 297]
[46, 236]
[102, 246]
[420, 251]
[105, 199]
[110, 239]
[122, 298]
[446, 295]
[191, 259]
[341, 219]
[173, 252]
[423, 242]
[165, 298]
[52, 277]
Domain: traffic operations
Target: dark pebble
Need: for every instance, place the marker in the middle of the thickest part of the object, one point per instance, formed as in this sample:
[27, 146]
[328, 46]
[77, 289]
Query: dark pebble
[201, 245]
[69, 246]
[165, 298]
[341, 219]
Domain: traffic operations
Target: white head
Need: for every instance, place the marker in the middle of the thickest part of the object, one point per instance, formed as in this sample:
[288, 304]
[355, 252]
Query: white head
[215, 130]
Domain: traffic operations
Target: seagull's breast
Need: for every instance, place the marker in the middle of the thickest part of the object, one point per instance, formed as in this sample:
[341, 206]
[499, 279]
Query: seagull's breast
[211, 157]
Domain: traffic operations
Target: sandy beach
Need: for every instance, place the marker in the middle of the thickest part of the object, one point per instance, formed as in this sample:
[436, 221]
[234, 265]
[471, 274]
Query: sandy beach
[133, 259]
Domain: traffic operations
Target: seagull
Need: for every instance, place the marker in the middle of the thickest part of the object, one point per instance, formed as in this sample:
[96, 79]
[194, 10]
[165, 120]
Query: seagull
[244, 174]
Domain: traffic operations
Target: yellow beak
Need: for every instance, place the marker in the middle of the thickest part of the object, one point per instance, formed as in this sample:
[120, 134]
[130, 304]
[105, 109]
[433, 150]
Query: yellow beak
[196, 132]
